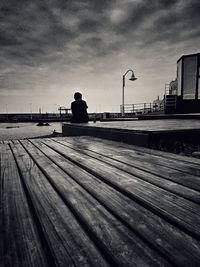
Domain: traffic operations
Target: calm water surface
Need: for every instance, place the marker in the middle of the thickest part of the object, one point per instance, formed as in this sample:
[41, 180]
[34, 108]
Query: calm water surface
[11, 131]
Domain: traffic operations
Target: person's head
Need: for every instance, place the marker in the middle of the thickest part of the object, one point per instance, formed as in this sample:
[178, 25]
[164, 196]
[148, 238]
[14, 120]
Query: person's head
[77, 96]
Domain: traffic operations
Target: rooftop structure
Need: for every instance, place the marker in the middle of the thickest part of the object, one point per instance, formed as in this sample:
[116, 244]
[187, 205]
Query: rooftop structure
[185, 96]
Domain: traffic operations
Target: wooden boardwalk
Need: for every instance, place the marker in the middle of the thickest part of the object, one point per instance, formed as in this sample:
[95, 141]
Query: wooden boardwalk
[83, 201]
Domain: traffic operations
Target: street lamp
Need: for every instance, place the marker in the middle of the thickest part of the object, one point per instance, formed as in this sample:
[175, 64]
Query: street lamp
[133, 78]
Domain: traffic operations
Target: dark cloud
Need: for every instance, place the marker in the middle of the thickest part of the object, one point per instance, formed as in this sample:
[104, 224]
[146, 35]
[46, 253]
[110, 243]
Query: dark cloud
[33, 29]
[64, 34]
[139, 11]
[147, 22]
[182, 19]
[89, 25]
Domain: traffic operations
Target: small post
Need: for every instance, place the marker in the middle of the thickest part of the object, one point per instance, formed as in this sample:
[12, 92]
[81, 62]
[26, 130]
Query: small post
[123, 85]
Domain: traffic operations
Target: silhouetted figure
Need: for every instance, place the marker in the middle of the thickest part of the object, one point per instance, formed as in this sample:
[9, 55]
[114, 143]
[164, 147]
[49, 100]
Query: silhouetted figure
[79, 109]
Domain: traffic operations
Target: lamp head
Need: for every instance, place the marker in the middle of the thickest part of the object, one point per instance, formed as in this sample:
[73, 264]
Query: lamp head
[133, 78]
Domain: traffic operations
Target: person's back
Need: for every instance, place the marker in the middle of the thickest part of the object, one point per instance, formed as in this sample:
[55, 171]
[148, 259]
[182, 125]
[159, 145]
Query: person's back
[79, 109]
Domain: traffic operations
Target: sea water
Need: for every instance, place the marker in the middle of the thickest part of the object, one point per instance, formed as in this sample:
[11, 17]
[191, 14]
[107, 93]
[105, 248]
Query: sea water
[12, 131]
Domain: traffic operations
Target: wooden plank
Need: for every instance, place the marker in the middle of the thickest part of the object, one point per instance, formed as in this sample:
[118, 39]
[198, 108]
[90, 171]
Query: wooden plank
[21, 245]
[184, 164]
[122, 245]
[176, 209]
[161, 235]
[137, 160]
[69, 244]
[6, 142]
[180, 158]
[126, 165]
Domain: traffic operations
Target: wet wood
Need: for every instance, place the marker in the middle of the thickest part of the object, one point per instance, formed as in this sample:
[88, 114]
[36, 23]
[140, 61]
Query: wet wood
[68, 243]
[87, 140]
[174, 181]
[162, 201]
[20, 239]
[83, 201]
[183, 170]
[111, 236]
[146, 224]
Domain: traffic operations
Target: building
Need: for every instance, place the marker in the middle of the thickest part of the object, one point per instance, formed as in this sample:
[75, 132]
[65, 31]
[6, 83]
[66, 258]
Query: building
[183, 95]
[158, 104]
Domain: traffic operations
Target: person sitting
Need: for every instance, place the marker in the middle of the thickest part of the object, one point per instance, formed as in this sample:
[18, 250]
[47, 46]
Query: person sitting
[79, 109]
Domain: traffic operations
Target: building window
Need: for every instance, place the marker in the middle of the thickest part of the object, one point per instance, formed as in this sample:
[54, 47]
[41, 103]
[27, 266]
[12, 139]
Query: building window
[189, 77]
[179, 77]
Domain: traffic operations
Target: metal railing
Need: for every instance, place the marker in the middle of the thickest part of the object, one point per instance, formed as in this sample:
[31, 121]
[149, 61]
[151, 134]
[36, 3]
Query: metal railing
[140, 108]
[170, 90]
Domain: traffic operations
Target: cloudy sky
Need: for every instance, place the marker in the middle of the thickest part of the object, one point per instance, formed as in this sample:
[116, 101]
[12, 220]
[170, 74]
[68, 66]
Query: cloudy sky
[51, 48]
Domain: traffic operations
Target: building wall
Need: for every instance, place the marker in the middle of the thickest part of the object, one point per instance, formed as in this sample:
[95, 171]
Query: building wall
[188, 84]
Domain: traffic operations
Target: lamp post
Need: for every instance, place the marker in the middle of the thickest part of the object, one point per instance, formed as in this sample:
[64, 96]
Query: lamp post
[133, 78]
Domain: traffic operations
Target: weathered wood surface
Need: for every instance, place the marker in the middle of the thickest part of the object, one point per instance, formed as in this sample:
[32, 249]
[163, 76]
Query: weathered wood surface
[83, 201]
[19, 234]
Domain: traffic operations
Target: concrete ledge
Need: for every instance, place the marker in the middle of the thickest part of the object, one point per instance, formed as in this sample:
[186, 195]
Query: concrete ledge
[163, 139]
[126, 136]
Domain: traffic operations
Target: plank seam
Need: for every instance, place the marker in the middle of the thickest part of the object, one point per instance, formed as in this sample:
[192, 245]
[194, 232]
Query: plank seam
[157, 156]
[131, 165]
[35, 218]
[157, 153]
[97, 243]
[129, 226]
[140, 201]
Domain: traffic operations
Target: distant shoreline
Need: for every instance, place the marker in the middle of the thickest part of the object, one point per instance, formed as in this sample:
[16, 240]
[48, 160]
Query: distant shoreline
[25, 130]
